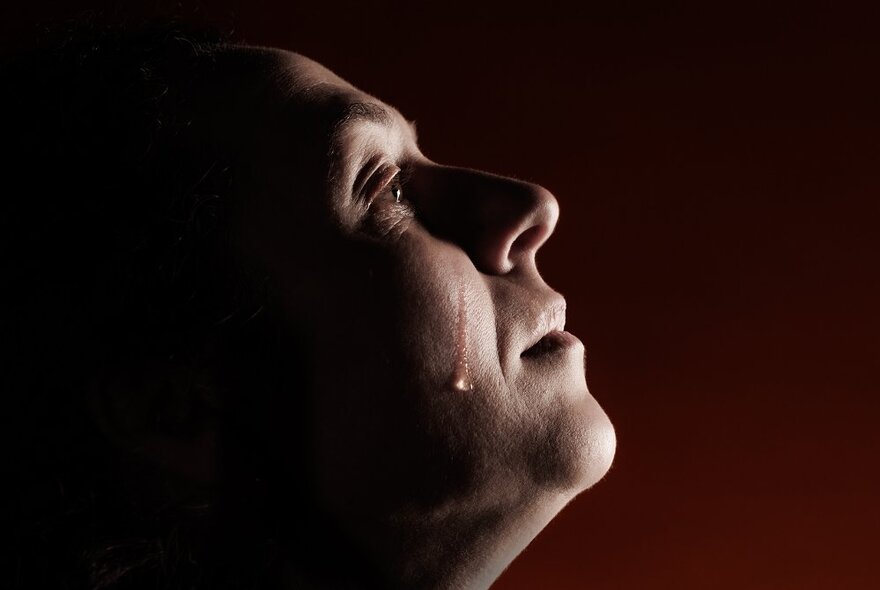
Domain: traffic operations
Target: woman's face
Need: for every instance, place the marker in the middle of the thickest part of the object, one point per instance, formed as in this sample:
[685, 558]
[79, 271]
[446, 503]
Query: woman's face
[443, 383]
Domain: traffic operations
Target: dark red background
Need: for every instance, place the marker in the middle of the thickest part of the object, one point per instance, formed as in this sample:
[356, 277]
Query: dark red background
[717, 170]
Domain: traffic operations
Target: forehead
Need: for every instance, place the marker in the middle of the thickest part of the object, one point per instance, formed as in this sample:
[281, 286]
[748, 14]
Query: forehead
[303, 76]
[301, 80]
[290, 92]
[339, 113]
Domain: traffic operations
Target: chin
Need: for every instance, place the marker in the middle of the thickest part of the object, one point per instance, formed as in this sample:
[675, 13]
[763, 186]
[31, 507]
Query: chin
[577, 453]
[601, 444]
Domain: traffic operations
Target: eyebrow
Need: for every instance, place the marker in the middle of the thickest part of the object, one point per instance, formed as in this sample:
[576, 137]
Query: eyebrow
[364, 112]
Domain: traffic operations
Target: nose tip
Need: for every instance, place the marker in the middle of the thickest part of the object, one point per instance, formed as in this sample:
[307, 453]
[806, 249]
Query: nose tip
[531, 216]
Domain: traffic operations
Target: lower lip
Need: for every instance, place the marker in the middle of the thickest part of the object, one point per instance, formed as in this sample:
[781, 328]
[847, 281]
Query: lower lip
[553, 342]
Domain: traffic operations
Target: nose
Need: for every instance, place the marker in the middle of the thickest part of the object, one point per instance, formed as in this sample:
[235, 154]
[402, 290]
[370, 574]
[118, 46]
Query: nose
[500, 222]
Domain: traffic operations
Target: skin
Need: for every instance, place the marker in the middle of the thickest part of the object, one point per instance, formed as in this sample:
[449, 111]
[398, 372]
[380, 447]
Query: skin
[439, 451]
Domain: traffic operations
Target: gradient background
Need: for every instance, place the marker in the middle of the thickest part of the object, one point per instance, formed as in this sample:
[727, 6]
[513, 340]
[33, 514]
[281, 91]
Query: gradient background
[717, 170]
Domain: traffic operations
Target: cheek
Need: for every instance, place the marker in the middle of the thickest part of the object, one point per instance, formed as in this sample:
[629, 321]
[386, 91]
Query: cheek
[449, 332]
[386, 332]
[389, 413]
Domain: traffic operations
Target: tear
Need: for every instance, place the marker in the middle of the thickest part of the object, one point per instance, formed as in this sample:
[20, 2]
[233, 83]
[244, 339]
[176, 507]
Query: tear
[461, 372]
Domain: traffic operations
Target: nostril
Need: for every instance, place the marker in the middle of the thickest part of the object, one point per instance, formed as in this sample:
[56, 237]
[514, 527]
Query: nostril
[530, 239]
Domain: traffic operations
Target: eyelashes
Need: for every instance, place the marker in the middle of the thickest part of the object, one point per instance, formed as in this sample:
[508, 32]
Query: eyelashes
[387, 183]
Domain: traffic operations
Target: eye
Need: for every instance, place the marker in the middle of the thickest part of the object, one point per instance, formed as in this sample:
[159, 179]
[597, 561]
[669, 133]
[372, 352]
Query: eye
[398, 183]
[387, 183]
[386, 211]
[396, 189]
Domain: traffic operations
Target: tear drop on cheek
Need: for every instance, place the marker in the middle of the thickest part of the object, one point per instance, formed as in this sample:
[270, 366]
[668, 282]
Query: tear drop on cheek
[462, 384]
[461, 372]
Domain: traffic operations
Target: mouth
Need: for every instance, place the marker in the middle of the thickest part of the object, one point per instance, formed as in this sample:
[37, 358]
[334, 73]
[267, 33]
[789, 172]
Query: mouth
[549, 335]
[550, 343]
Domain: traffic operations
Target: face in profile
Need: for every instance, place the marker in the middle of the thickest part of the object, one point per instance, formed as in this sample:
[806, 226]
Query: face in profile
[450, 416]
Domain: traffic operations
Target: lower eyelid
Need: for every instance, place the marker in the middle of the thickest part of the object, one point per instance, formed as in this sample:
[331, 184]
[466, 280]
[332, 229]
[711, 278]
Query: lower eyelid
[388, 217]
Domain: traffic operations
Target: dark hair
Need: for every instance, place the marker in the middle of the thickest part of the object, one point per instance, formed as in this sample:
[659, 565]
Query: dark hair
[116, 249]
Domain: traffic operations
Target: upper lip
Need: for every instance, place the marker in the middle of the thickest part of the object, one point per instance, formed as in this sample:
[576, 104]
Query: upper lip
[549, 318]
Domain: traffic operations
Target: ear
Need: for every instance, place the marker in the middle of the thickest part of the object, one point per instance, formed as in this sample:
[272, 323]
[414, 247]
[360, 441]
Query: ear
[162, 411]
